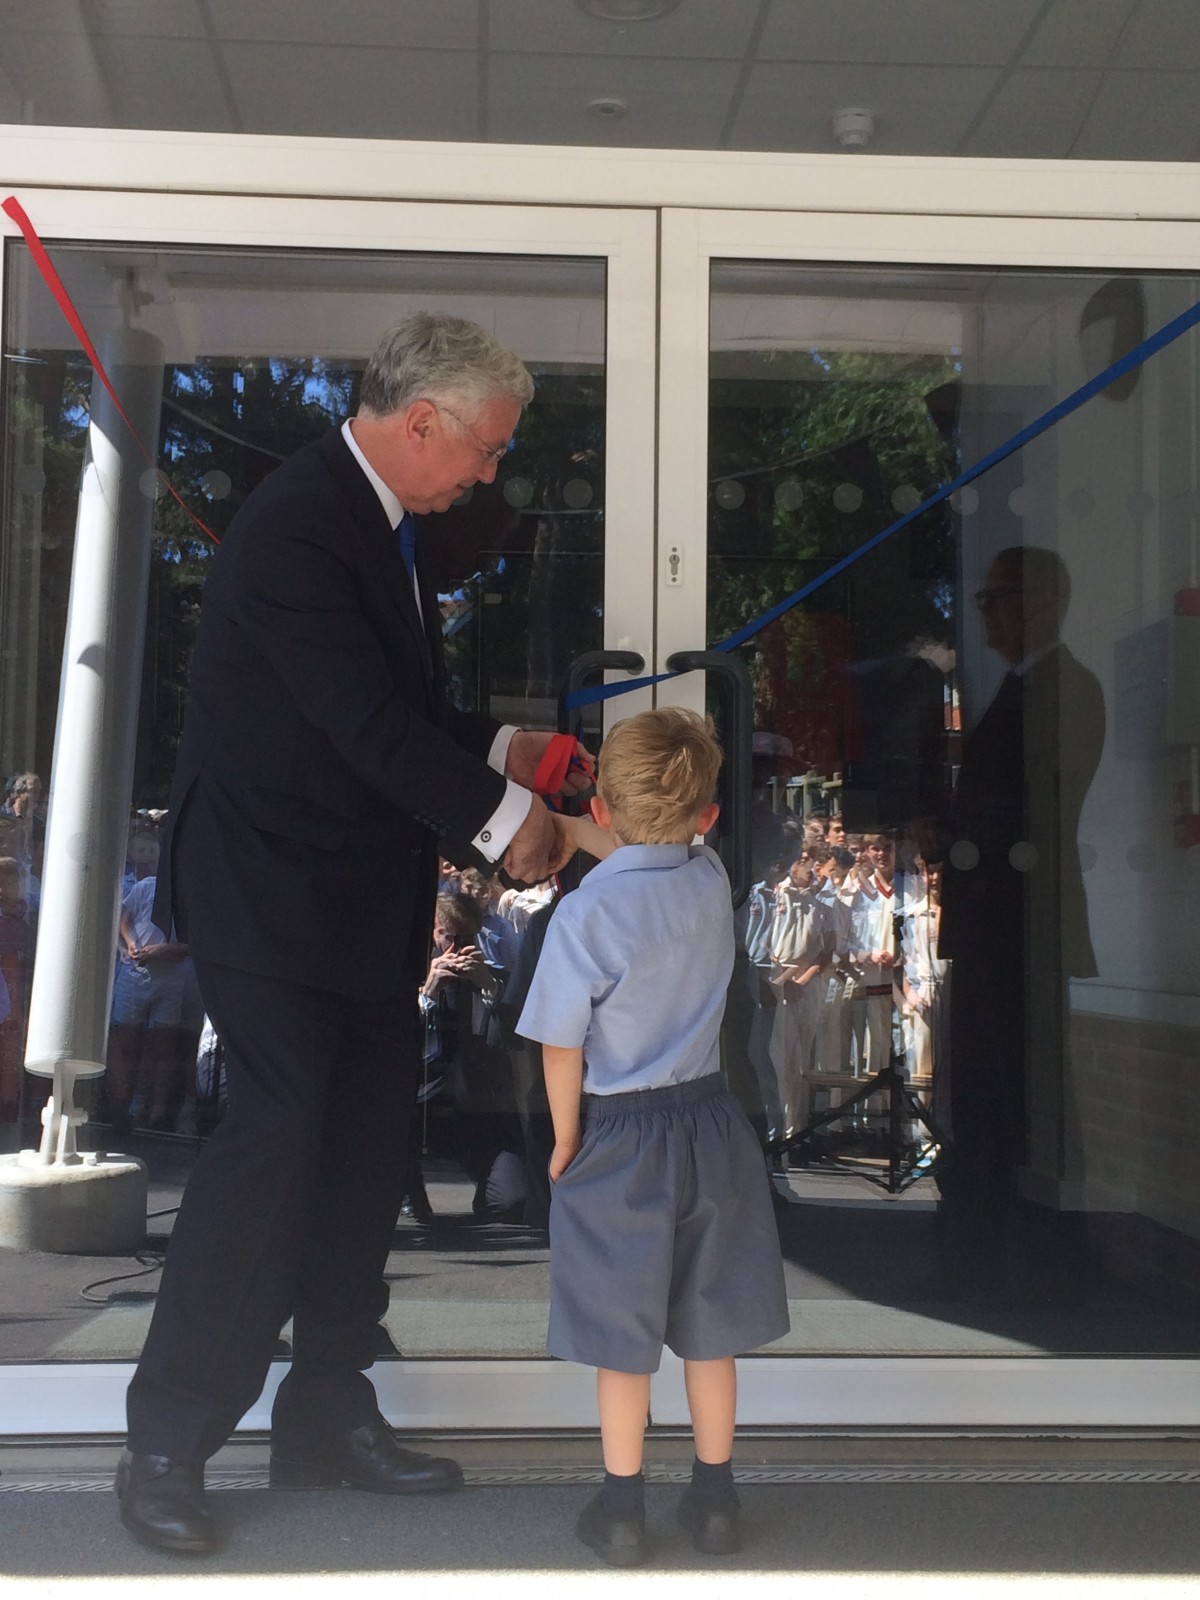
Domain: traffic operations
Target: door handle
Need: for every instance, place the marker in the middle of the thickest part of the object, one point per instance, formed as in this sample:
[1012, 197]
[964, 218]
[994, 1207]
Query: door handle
[735, 694]
[588, 665]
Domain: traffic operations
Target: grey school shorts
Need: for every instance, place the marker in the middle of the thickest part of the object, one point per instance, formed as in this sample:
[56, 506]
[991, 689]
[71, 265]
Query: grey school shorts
[662, 1232]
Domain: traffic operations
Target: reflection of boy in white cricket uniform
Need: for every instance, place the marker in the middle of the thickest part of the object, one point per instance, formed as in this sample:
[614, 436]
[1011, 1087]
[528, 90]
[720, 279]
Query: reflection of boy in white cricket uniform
[834, 1035]
[757, 925]
[924, 973]
[874, 944]
[801, 951]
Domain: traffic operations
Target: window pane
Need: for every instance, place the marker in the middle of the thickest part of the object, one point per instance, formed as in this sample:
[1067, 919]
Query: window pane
[261, 353]
[975, 801]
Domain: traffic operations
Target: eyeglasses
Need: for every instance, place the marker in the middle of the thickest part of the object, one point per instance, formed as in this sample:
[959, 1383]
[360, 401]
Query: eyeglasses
[495, 453]
[992, 597]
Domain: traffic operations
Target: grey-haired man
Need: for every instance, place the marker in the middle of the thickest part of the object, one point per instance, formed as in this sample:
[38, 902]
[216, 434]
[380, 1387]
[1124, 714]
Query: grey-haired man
[319, 766]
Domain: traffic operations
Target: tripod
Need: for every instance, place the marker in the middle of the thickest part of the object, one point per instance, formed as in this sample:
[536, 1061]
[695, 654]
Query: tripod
[906, 1160]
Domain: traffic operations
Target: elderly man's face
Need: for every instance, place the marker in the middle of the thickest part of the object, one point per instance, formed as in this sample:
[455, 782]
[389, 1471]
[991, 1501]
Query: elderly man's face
[458, 447]
[1002, 606]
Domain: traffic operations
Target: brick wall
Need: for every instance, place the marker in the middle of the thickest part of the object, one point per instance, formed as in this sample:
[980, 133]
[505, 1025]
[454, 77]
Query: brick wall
[1133, 1116]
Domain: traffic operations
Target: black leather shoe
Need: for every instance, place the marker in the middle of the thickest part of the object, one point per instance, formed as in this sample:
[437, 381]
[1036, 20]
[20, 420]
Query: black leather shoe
[368, 1457]
[162, 1502]
[620, 1540]
[715, 1528]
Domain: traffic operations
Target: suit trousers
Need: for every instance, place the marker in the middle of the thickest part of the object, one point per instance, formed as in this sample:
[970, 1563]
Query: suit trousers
[290, 1210]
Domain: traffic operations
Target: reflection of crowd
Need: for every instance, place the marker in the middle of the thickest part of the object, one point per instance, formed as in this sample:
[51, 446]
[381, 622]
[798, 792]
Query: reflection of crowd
[842, 968]
[22, 841]
[482, 1102]
[482, 1099]
[157, 1014]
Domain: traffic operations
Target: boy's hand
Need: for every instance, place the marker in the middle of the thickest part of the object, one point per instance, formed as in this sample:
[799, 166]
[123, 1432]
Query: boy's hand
[562, 1155]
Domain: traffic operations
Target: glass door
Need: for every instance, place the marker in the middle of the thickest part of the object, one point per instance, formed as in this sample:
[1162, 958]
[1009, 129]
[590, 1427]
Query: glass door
[260, 316]
[965, 1013]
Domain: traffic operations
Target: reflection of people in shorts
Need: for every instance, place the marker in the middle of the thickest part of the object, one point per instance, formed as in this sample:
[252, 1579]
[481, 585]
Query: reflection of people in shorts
[150, 1011]
[661, 1224]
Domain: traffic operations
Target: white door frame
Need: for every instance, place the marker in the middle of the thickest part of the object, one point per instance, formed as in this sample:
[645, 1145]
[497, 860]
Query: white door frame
[852, 209]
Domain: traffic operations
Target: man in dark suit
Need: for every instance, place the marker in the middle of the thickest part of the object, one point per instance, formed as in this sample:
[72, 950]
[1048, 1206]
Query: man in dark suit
[319, 767]
[1014, 922]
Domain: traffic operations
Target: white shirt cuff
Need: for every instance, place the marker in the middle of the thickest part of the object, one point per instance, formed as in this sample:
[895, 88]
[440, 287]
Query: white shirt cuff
[498, 754]
[494, 838]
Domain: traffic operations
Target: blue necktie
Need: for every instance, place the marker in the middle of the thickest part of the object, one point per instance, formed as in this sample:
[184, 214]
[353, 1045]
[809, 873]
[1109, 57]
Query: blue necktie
[407, 530]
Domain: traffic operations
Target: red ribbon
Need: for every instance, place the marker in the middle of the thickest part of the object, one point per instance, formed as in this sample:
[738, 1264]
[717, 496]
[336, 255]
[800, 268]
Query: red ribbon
[14, 209]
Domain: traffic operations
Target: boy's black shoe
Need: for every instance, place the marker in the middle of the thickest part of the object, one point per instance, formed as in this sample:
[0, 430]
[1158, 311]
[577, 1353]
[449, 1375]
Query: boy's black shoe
[715, 1525]
[621, 1540]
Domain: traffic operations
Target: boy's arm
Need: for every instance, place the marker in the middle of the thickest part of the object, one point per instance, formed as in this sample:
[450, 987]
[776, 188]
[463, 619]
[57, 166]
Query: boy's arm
[564, 1085]
[584, 834]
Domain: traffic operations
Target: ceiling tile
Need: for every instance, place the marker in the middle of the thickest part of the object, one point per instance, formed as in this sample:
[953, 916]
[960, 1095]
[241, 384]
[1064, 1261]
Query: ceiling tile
[1077, 33]
[353, 92]
[714, 29]
[792, 107]
[1162, 33]
[46, 16]
[1142, 116]
[10, 100]
[931, 31]
[164, 83]
[176, 19]
[667, 109]
[1036, 113]
[411, 24]
[59, 76]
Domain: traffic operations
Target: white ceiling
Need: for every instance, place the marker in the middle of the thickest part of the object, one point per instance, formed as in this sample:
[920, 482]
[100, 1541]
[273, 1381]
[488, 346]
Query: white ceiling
[1099, 79]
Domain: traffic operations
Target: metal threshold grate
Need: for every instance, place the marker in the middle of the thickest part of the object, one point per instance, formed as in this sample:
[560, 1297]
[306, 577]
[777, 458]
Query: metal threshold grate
[505, 1477]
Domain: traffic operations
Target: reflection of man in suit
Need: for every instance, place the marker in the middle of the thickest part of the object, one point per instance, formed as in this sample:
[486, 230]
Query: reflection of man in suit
[320, 762]
[1014, 912]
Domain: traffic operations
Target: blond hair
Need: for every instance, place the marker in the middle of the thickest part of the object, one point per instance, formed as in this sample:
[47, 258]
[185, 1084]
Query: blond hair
[658, 770]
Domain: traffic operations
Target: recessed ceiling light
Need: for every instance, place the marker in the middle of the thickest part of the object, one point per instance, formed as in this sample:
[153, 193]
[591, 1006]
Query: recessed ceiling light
[627, 10]
[608, 107]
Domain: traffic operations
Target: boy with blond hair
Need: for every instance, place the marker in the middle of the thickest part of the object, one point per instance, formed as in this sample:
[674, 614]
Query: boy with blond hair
[661, 1224]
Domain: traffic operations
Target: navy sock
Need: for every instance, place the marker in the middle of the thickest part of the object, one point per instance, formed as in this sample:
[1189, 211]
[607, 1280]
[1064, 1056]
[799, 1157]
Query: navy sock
[712, 1481]
[624, 1496]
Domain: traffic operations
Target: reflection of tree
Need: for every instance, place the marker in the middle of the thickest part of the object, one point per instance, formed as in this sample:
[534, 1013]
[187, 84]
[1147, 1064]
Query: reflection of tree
[236, 422]
[862, 419]
[46, 417]
[221, 421]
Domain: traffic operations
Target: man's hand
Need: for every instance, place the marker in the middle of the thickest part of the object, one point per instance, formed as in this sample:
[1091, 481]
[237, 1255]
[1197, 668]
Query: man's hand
[525, 754]
[539, 848]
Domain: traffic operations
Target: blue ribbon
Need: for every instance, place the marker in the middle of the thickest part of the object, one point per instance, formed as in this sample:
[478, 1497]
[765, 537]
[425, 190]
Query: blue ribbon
[1135, 357]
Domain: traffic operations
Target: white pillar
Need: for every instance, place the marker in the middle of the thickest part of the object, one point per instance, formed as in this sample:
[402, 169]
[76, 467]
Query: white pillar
[91, 778]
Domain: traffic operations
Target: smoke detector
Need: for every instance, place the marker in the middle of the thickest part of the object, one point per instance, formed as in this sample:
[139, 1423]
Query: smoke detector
[853, 127]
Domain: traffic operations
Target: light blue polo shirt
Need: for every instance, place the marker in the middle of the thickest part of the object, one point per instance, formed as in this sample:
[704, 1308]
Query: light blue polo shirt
[635, 967]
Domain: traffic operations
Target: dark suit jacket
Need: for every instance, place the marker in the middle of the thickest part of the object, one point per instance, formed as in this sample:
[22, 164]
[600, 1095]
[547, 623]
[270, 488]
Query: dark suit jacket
[319, 761]
[1026, 768]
